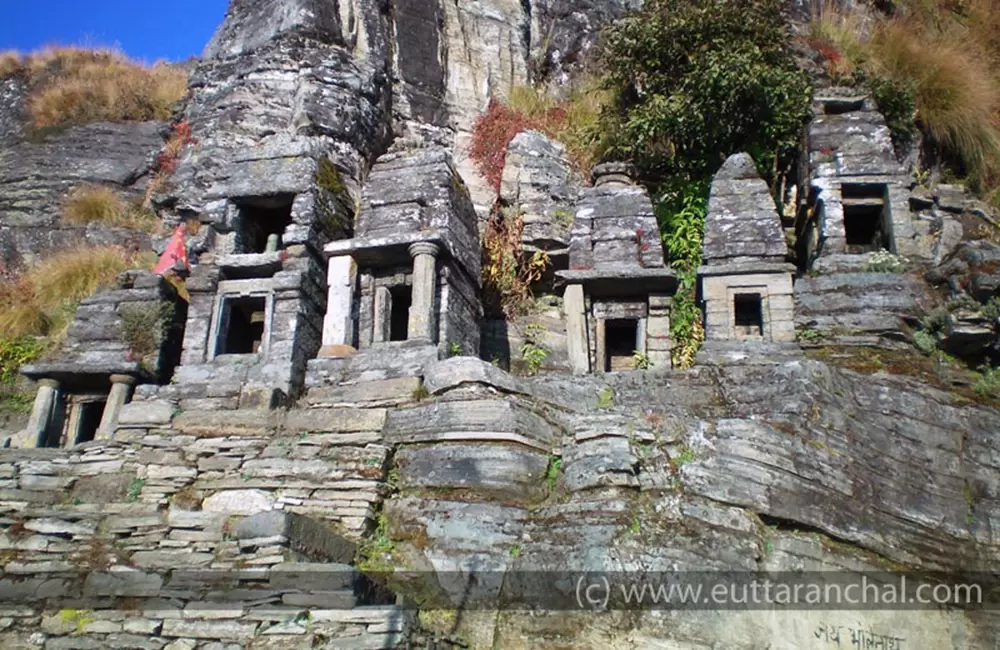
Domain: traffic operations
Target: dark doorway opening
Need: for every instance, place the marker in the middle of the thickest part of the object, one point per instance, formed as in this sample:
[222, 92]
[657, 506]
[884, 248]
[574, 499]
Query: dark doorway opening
[399, 316]
[749, 314]
[262, 217]
[865, 217]
[89, 420]
[620, 338]
[241, 325]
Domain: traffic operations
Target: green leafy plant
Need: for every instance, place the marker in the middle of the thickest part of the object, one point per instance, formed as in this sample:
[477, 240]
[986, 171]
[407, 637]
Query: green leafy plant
[684, 456]
[809, 335]
[508, 272]
[636, 526]
[374, 554]
[534, 356]
[991, 310]
[455, 349]
[681, 213]
[552, 472]
[532, 352]
[640, 360]
[515, 551]
[606, 398]
[135, 489]
[14, 353]
[925, 341]
[896, 101]
[988, 382]
[935, 321]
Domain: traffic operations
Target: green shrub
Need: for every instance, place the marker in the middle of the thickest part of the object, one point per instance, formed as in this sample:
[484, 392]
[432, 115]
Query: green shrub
[144, 327]
[697, 80]
[640, 360]
[14, 353]
[991, 310]
[925, 341]
[988, 383]
[681, 213]
[896, 101]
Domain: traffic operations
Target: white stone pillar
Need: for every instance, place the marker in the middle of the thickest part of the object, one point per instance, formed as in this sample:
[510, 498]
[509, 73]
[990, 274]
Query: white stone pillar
[41, 412]
[383, 315]
[338, 325]
[577, 345]
[121, 393]
[422, 317]
[601, 356]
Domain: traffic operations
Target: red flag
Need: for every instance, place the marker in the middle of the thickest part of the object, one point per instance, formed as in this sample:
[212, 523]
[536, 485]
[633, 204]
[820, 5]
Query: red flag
[176, 252]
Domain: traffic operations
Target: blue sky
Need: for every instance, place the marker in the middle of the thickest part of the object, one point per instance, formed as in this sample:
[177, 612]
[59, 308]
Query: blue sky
[145, 30]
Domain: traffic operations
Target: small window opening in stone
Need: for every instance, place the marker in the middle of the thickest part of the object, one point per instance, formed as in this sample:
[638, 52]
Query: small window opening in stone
[399, 317]
[749, 314]
[865, 217]
[262, 219]
[620, 344]
[89, 420]
[241, 326]
[841, 106]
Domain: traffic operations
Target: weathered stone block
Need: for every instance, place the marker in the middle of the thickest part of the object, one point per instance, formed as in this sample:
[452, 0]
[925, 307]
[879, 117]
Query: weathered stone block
[510, 471]
[305, 535]
[337, 420]
[482, 420]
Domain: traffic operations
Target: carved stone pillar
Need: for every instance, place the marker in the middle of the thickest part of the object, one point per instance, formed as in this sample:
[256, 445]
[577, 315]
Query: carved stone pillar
[577, 343]
[338, 325]
[41, 412]
[121, 393]
[423, 319]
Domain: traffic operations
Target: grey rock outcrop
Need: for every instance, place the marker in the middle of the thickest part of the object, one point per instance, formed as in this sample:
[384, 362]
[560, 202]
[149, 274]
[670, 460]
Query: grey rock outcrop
[864, 308]
[35, 178]
[12, 98]
[564, 33]
[251, 25]
[539, 181]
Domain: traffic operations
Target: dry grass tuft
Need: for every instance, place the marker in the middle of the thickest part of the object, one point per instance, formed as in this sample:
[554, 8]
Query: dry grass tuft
[957, 97]
[43, 299]
[97, 204]
[10, 63]
[839, 36]
[948, 55]
[79, 86]
[574, 121]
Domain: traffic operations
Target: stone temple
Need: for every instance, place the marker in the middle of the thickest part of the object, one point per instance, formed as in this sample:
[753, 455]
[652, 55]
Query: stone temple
[326, 438]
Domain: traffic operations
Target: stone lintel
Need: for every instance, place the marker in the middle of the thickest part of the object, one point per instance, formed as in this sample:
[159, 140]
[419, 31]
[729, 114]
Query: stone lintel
[745, 268]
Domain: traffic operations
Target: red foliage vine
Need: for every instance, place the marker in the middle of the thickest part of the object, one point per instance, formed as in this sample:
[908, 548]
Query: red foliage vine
[491, 136]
